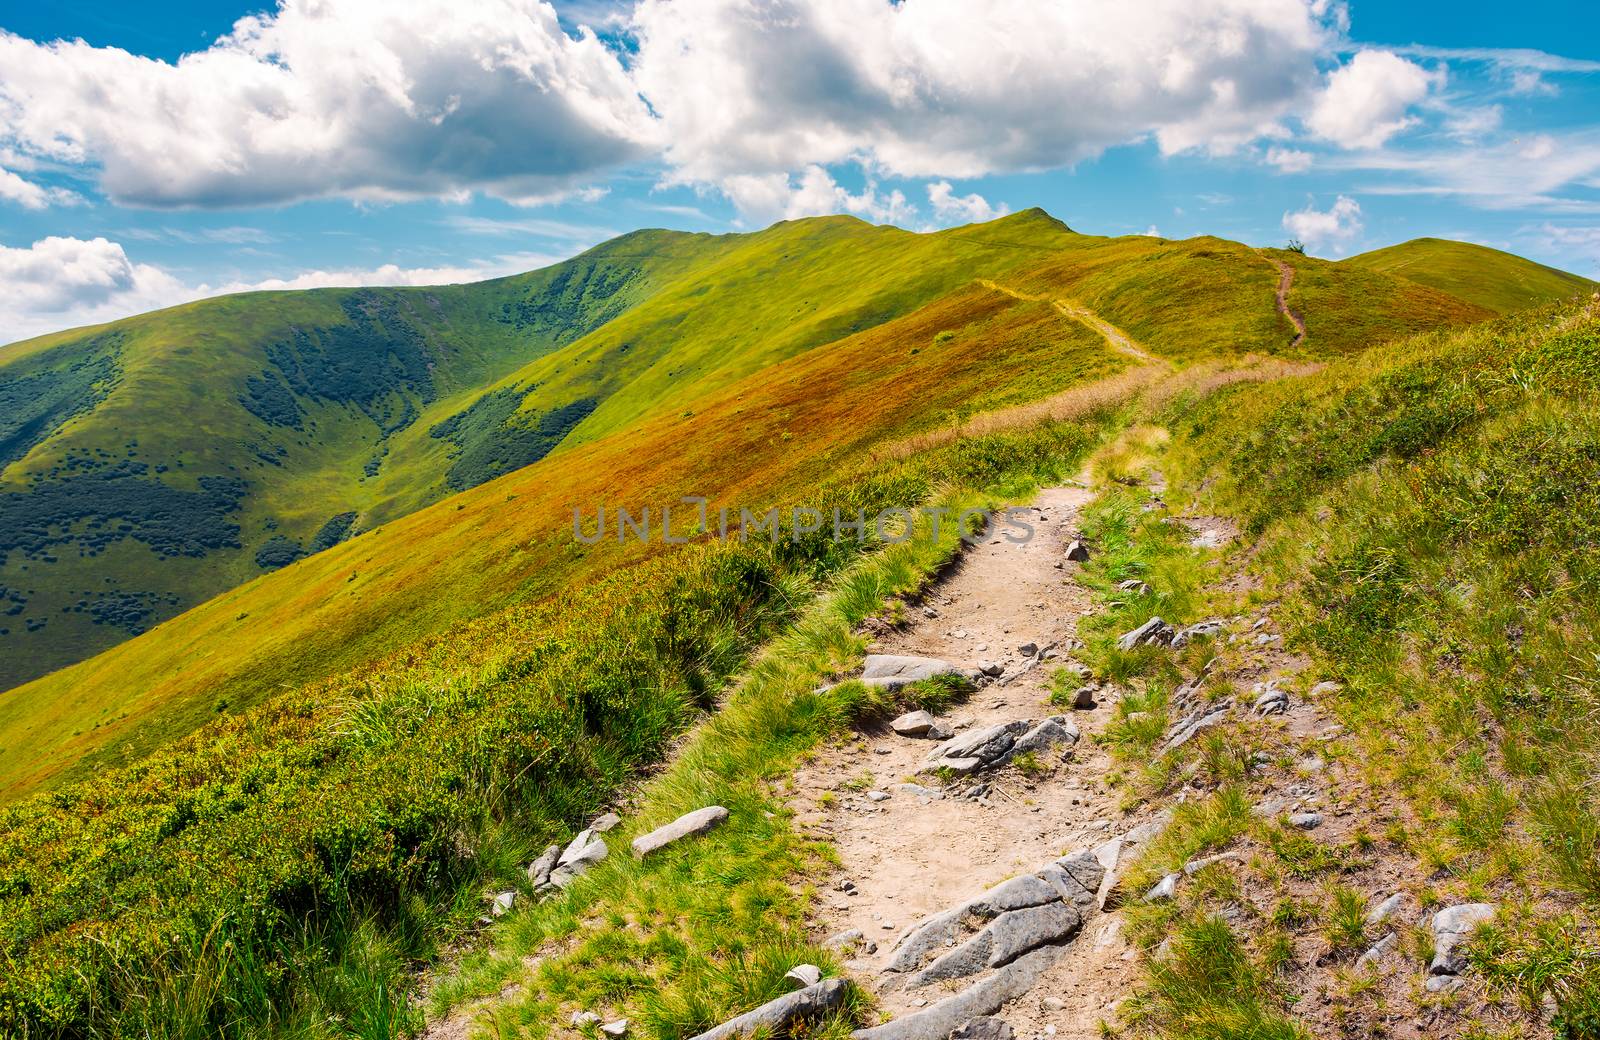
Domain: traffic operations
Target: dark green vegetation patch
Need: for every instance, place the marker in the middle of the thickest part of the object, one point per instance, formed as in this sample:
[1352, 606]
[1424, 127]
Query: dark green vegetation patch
[36, 405]
[491, 440]
[91, 510]
[584, 295]
[376, 362]
[336, 530]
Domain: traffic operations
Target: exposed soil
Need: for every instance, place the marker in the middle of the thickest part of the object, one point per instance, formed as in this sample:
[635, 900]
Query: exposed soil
[1285, 281]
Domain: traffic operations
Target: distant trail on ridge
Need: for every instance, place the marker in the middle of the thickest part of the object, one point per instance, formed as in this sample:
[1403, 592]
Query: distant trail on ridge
[1285, 280]
[1118, 340]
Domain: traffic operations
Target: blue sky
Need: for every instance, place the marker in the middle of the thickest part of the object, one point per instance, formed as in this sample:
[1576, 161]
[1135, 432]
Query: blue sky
[152, 154]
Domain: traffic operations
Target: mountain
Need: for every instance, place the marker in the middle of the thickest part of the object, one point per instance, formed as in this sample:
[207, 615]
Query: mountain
[1501, 282]
[300, 788]
[741, 367]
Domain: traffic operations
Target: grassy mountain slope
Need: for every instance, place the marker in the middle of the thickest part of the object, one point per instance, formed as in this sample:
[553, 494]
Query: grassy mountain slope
[764, 410]
[151, 463]
[1501, 282]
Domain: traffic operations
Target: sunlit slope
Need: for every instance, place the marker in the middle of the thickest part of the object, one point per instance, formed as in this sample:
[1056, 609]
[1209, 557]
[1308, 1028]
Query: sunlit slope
[741, 439]
[756, 440]
[1208, 297]
[1502, 282]
[148, 464]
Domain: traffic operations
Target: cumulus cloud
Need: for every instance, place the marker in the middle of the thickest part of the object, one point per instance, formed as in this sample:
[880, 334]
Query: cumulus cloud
[1332, 228]
[29, 195]
[950, 208]
[925, 89]
[59, 283]
[362, 98]
[92, 280]
[777, 196]
[1289, 160]
[1368, 100]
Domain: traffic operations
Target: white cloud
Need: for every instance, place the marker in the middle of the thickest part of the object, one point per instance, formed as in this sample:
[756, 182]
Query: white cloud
[1152, 232]
[1511, 173]
[92, 280]
[1289, 160]
[362, 98]
[777, 196]
[1531, 83]
[59, 283]
[1326, 229]
[29, 195]
[1367, 100]
[950, 208]
[1581, 240]
[751, 91]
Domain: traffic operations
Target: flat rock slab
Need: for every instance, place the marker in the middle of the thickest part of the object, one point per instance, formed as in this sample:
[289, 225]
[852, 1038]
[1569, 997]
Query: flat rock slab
[777, 1015]
[688, 825]
[985, 997]
[893, 671]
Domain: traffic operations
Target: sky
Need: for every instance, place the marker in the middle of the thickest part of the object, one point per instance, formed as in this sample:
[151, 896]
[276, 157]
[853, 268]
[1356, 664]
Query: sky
[153, 154]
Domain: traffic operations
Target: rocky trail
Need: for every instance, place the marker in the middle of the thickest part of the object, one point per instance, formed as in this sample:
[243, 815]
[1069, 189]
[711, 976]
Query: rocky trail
[912, 847]
[982, 854]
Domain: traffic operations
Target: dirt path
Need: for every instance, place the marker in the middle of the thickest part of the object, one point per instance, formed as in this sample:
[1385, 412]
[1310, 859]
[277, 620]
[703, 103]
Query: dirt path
[1117, 339]
[906, 857]
[1285, 281]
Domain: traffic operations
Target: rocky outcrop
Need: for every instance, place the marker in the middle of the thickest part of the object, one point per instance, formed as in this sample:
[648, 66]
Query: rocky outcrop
[892, 671]
[777, 1016]
[994, 746]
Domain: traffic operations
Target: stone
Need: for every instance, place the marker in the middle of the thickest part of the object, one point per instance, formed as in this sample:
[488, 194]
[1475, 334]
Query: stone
[1077, 552]
[1198, 630]
[688, 825]
[1378, 950]
[1323, 689]
[617, 1028]
[913, 724]
[1016, 932]
[877, 796]
[939, 731]
[539, 870]
[918, 791]
[1195, 866]
[1029, 649]
[957, 766]
[992, 669]
[584, 858]
[501, 904]
[1443, 984]
[1133, 585]
[1044, 736]
[1451, 927]
[776, 1016]
[985, 744]
[1193, 729]
[984, 997]
[1083, 699]
[576, 846]
[984, 1027]
[1270, 700]
[892, 671]
[1384, 910]
[580, 1019]
[804, 974]
[1163, 890]
[844, 940]
[1069, 887]
[1306, 821]
[1154, 632]
[1088, 868]
[610, 821]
